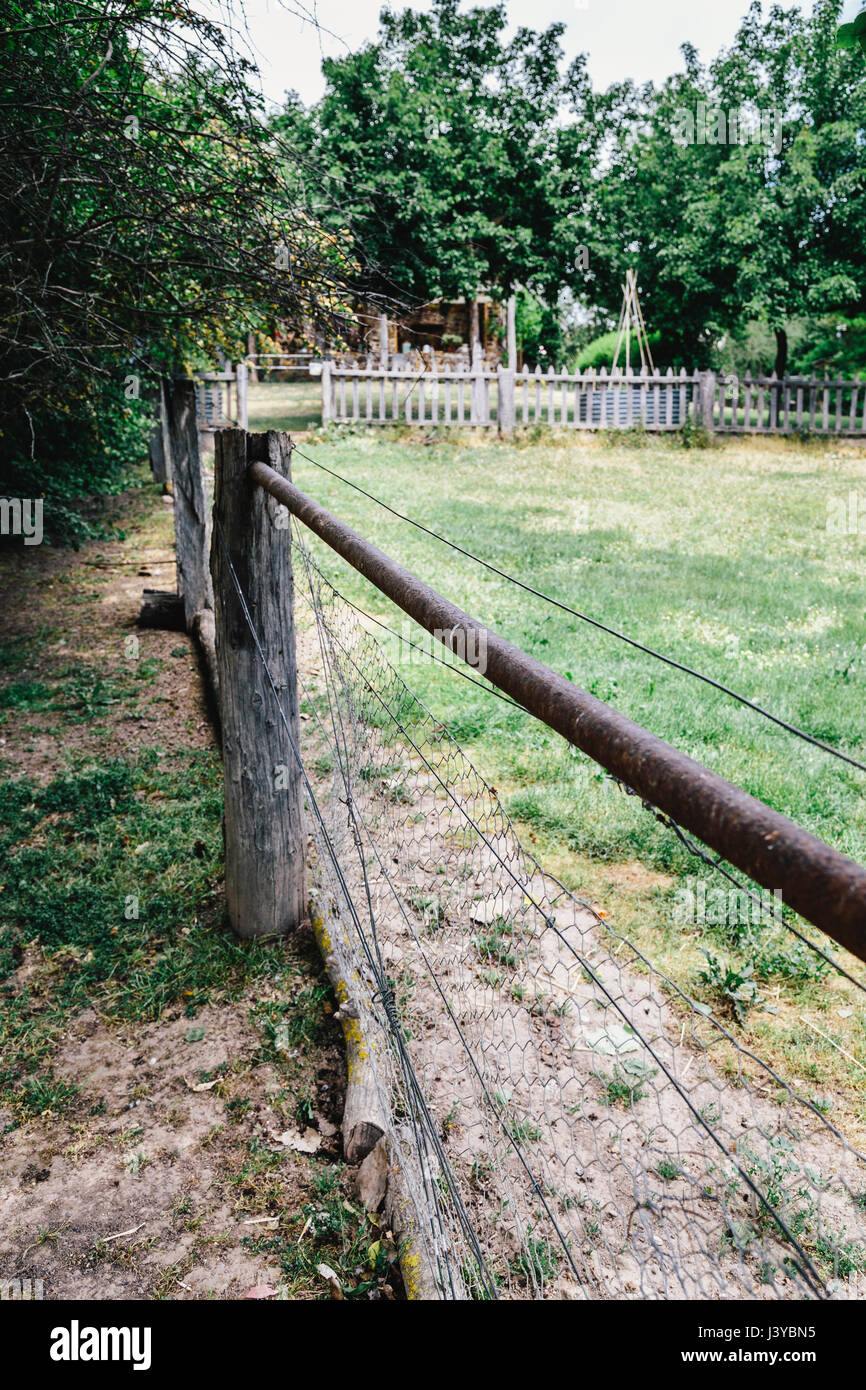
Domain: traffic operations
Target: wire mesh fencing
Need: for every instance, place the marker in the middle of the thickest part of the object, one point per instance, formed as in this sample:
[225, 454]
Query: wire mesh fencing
[569, 1122]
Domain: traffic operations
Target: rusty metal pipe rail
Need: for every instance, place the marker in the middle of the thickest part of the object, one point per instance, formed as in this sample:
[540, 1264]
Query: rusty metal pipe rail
[817, 881]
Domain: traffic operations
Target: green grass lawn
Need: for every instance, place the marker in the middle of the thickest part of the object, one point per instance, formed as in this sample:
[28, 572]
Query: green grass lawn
[718, 557]
[285, 405]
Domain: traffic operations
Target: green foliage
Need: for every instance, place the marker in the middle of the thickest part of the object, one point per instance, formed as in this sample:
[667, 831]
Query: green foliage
[669, 1169]
[144, 206]
[538, 1263]
[853, 35]
[625, 1086]
[733, 985]
[599, 353]
[540, 336]
[462, 161]
[835, 344]
[751, 347]
[442, 145]
[87, 439]
[497, 947]
[724, 232]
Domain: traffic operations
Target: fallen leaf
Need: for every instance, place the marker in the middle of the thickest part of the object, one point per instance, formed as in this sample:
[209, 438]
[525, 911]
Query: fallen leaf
[613, 1041]
[494, 910]
[306, 1143]
[325, 1272]
[202, 1085]
[261, 1291]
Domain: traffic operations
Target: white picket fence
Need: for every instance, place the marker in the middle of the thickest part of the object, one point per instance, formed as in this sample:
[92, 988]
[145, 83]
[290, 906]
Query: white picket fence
[221, 399]
[590, 400]
[766, 405]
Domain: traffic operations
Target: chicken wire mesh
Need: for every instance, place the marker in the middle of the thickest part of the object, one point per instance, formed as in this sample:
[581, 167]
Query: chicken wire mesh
[568, 1122]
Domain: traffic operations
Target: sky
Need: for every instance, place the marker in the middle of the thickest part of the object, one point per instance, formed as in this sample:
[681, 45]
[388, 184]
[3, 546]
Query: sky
[639, 39]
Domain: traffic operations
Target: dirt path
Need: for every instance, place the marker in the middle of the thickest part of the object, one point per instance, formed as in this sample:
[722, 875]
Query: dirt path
[156, 1074]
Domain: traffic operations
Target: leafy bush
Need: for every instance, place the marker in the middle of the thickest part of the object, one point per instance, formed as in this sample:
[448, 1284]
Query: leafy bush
[80, 442]
[599, 353]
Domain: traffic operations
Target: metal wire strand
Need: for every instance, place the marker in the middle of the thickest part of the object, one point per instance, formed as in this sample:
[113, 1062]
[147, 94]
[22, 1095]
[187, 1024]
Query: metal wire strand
[351, 658]
[594, 622]
[374, 961]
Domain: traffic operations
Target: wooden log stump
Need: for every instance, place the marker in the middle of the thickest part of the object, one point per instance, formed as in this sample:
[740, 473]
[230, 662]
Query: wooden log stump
[163, 610]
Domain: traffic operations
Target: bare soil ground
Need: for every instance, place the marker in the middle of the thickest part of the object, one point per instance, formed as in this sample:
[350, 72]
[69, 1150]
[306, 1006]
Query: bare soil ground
[146, 1145]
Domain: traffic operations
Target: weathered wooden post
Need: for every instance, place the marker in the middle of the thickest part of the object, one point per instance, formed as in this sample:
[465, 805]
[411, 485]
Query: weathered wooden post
[160, 455]
[511, 331]
[477, 411]
[190, 502]
[327, 393]
[192, 524]
[241, 373]
[474, 328]
[505, 400]
[707, 392]
[264, 830]
[384, 353]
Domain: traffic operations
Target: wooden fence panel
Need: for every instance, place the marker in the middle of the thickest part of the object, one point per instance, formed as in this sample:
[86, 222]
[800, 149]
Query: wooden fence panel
[444, 396]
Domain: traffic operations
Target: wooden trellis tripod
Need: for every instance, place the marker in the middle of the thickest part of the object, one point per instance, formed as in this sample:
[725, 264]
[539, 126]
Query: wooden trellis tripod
[631, 319]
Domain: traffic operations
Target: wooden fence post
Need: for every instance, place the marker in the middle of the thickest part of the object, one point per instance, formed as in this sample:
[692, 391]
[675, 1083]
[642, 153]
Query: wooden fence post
[160, 456]
[505, 400]
[707, 389]
[327, 405]
[264, 830]
[477, 413]
[511, 331]
[192, 526]
[190, 502]
[384, 351]
[241, 374]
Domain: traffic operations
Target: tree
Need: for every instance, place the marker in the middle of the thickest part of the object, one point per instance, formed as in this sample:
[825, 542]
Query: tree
[650, 210]
[729, 227]
[440, 145]
[793, 214]
[853, 35]
[145, 217]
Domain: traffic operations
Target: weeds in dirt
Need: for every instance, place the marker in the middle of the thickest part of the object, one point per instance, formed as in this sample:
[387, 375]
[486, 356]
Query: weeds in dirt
[538, 1263]
[430, 910]
[734, 986]
[520, 1128]
[287, 1023]
[625, 1086]
[497, 946]
[789, 1204]
[669, 1169]
[334, 1231]
[108, 901]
